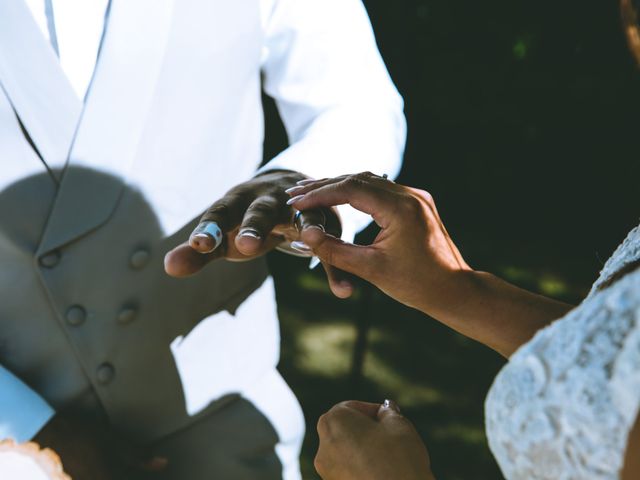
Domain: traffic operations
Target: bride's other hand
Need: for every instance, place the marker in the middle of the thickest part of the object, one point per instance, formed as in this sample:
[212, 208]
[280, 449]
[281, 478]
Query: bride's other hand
[413, 259]
[370, 441]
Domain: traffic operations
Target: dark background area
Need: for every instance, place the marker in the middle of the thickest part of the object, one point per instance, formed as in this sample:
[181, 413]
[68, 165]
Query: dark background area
[523, 124]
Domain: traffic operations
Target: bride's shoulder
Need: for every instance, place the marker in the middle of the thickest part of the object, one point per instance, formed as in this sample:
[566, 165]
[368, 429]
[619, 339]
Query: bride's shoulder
[573, 391]
[627, 254]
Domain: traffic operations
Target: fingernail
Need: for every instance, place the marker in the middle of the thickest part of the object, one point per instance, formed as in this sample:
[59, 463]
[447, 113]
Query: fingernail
[315, 261]
[293, 200]
[314, 226]
[294, 189]
[300, 246]
[207, 232]
[250, 232]
[391, 405]
[306, 181]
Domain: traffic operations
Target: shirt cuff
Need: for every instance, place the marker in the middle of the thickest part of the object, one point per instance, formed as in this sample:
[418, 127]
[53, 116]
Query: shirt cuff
[23, 412]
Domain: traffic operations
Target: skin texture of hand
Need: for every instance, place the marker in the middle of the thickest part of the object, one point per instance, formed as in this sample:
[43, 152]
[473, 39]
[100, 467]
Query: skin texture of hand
[89, 450]
[370, 441]
[254, 218]
[414, 260]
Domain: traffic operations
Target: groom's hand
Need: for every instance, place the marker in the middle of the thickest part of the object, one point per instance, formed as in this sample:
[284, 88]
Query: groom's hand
[250, 220]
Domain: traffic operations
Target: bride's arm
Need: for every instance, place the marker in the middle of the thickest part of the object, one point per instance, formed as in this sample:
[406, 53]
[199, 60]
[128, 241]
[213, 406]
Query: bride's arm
[631, 470]
[414, 260]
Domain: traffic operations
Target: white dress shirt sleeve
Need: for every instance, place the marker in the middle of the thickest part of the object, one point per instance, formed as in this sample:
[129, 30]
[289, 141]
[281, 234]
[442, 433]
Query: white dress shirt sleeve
[23, 412]
[340, 108]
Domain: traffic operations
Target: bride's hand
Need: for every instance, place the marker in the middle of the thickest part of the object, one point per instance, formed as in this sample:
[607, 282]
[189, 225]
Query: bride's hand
[370, 441]
[413, 259]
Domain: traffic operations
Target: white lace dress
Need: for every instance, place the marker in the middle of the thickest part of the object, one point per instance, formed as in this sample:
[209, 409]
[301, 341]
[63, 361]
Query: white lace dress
[564, 405]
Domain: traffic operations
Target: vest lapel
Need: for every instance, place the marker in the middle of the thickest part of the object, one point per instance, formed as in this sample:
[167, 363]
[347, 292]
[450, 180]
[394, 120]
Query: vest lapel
[35, 84]
[116, 108]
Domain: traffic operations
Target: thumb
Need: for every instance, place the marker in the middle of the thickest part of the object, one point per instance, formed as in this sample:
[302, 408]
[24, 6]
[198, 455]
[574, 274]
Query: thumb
[355, 259]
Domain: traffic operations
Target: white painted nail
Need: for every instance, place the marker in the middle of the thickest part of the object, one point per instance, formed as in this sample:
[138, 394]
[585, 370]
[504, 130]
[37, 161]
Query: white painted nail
[293, 200]
[300, 246]
[250, 232]
[306, 181]
[294, 189]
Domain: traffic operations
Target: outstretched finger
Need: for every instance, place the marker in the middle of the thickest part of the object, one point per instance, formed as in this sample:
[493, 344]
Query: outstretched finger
[184, 261]
[376, 199]
[261, 217]
[307, 185]
[221, 218]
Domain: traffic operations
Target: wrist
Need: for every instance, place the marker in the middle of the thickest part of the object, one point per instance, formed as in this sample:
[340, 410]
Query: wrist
[447, 294]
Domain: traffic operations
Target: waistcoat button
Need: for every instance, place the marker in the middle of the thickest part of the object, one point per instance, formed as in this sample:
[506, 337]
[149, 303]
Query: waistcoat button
[76, 315]
[105, 373]
[127, 315]
[50, 260]
[139, 259]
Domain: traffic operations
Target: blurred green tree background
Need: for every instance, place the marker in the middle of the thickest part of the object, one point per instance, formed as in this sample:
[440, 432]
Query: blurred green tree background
[523, 124]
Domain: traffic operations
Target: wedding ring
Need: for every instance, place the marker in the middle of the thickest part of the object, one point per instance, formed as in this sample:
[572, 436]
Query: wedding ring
[297, 220]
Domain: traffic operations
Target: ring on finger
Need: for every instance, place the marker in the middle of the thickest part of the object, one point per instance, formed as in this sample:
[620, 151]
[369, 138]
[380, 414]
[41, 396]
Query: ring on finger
[297, 220]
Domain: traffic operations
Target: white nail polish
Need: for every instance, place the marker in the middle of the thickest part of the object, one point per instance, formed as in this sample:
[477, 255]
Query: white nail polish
[300, 246]
[250, 232]
[315, 261]
[294, 189]
[293, 200]
[306, 181]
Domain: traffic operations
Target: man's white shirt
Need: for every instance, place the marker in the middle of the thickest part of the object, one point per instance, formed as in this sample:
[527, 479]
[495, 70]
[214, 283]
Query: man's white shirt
[75, 28]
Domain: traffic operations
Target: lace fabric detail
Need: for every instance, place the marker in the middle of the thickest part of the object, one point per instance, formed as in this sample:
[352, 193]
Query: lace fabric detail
[564, 405]
[626, 253]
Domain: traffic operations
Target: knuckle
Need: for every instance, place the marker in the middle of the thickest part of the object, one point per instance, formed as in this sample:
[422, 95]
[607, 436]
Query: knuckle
[426, 196]
[233, 197]
[410, 206]
[263, 206]
[344, 404]
[323, 424]
[219, 209]
[319, 463]
[353, 181]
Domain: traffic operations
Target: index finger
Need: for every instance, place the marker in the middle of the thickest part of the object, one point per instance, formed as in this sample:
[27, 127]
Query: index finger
[377, 199]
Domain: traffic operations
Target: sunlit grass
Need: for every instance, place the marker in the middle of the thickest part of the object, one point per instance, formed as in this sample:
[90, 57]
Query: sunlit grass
[325, 349]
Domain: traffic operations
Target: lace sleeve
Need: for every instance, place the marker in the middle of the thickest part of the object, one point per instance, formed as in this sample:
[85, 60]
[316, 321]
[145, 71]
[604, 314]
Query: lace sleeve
[564, 405]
